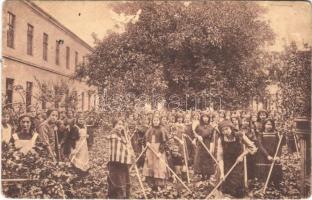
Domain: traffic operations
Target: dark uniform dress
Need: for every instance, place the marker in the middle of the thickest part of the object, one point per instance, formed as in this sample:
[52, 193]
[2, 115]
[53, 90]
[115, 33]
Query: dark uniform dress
[267, 147]
[204, 163]
[251, 159]
[189, 146]
[171, 128]
[234, 183]
[176, 147]
[138, 143]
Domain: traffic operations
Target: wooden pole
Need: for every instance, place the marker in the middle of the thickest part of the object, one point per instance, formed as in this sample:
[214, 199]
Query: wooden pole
[140, 181]
[245, 170]
[57, 150]
[206, 148]
[245, 167]
[161, 160]
[18, 180]
[186, 160]
[135, 166]
[272, 165]
[136, 160]
[222, 180]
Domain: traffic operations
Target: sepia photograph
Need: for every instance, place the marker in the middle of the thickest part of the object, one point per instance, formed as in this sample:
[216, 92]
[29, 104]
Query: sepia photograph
[156, 99]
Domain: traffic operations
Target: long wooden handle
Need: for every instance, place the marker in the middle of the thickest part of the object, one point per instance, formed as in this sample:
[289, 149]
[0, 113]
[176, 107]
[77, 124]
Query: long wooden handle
[222, 180]
[161, 160]
[205, 147]
[245, 170]
[140, 181]
[272, 165]
[186, 160]
[137, 159]
[245, 166]
[136, 168]
[18, 180]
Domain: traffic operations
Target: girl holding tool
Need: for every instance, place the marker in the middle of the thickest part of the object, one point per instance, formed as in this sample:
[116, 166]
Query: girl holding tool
[268, 141]
[154, 169]
[230, 153]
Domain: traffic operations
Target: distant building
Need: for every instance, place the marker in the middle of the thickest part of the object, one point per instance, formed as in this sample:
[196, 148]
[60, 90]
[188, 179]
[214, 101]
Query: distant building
[36, 46]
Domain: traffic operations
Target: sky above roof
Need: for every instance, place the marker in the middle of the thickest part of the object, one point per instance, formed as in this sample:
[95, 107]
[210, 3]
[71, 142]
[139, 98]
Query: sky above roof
[291, 21]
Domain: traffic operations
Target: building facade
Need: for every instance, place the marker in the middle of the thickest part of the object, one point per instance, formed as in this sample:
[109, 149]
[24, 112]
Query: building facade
[39, 49]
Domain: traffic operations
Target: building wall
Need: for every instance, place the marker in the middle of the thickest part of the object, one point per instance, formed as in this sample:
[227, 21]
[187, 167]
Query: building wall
[21, 67]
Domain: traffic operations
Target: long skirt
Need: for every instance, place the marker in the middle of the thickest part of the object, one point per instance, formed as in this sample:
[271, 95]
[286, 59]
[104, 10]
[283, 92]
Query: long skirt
[263, 169]
[118, 180]
[154, 168]
[203, 163]
[251, 166]
[234, 183]
[80, 155]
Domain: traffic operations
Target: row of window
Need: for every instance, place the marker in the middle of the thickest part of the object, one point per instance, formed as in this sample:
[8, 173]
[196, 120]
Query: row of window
[29, 91]
[45, 43]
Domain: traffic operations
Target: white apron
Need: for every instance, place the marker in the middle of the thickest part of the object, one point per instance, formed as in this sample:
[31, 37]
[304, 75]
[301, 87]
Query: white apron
[6, 134]
[80, 155]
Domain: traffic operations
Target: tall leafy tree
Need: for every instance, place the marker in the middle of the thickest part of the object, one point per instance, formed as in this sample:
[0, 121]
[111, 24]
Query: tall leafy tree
[175, 49]
[294, 78]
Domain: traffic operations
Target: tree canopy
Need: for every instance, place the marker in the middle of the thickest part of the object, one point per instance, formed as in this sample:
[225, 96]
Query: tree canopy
[177, 49]
[292, 71]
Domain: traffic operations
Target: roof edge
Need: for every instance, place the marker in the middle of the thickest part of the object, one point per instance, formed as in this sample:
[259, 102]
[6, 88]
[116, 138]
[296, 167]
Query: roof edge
[57, 23]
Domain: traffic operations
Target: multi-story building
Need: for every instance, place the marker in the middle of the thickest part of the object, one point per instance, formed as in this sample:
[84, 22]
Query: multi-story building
[38, 47]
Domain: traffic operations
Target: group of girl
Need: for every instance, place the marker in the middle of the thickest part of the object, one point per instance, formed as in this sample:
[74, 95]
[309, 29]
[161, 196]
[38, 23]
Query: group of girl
[63, 134]
[207, 143]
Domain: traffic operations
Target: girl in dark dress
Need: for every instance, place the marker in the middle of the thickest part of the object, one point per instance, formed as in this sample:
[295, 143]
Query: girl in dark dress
[268, 141]
[251, 159]
[204, 164]
[177, 145]
[165, 124]
[138, 140]
[48, 133]
[190, 136]
[230, 150]
[261, 117]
